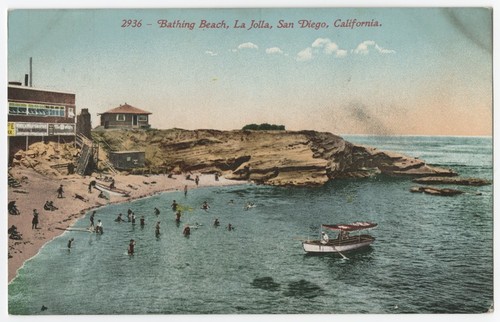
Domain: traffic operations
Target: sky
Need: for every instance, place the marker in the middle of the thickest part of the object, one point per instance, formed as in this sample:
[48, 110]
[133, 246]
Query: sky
[422, 71]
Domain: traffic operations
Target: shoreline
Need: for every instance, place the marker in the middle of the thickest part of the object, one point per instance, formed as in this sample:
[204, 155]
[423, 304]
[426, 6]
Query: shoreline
[36, 189]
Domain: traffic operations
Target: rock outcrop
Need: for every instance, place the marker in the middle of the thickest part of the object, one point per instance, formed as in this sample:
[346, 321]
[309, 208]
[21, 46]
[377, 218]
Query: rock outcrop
[437, 191]
[279, 158]
[453, 180]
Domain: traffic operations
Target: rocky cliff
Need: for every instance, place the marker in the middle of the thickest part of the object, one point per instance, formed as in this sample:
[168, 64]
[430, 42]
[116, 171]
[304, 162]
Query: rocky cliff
[270, 157]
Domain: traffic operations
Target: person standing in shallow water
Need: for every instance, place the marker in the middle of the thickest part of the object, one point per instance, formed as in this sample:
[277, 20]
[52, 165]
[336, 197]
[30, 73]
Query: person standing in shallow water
[92, 219]
[157, 229]
[178, 216]
[70, 242]
[185, 191]
[131, 247]
[174, 205]
[197, 180]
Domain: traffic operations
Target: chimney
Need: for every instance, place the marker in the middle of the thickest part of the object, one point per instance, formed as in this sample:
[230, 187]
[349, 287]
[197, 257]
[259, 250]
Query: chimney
[25, 79]
[31, 71]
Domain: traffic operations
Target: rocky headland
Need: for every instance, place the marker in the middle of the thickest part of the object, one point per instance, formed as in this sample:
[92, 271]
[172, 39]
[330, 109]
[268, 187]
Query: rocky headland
[280, 158]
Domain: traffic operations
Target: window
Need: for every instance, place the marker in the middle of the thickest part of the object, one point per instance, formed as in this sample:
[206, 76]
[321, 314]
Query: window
[143, 118]
[120, 117]
[36, 109]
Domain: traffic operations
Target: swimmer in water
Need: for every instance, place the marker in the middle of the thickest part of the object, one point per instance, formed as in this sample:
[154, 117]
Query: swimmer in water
[131, 247]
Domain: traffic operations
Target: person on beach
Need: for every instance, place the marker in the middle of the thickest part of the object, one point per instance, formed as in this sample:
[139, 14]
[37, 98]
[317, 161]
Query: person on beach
[60, 192]
[119, 218]
[178, 216]
[216, 176]
[197, 180]
[157, 211]
[112, 184]
[92, 219]
[14, 234]
[13, 208]
[131, 247]
[205, 205]
[34, 221]
[142, 220]
[92, 184]
[70, 242]
[185, 190]
[99, 229]
[157, 229]
[187, 231]
[216, 222]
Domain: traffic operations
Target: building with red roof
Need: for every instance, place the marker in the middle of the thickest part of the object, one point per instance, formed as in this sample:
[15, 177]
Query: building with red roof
[125, 116]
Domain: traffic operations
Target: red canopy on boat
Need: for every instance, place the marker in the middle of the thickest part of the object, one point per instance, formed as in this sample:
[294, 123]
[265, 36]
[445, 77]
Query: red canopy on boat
[351, 227]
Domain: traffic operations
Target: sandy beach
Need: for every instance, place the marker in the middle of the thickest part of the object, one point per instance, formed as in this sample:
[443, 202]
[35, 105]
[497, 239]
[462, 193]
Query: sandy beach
[36, 189]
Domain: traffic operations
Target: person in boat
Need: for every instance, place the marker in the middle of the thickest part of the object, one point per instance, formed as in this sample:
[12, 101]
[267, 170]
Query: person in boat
[178, 215]
[157, 229]
[142, 221]
[186, 231]
[119, 218]
[60, 192]
[174, 205]
[157, 211]
[99, 229]
[216, 222]
[34, 221]
[70, 242]
[131, 247]
[205, 205]
[197, 180]
[324, 238]
[13, 208]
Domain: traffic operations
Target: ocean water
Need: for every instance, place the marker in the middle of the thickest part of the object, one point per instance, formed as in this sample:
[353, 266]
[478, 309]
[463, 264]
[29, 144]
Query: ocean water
[432, 254]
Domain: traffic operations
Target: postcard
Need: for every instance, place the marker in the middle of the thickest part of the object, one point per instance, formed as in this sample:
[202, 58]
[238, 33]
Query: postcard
[250, 161]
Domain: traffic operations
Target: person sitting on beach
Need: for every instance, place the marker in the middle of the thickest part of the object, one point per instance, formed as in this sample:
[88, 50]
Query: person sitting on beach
[49, 205]
[205, 205]
[99, 229]
[216, 222]
[174, 205]
[186, 231]
[119, 218]
[131, 247]
[13, 208]
[102, 195]
[70, 242]
[157, 211]
[112, 184]
[324, 238]
[14, 234]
